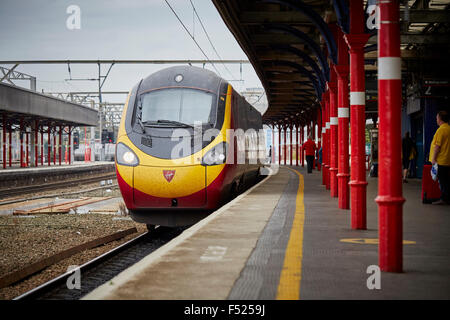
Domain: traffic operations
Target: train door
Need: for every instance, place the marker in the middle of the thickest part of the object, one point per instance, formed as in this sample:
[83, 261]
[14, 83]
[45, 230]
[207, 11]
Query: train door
[236, 124]
[243, 124]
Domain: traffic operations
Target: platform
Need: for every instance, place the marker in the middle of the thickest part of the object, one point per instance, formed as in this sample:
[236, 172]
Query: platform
[285, 238]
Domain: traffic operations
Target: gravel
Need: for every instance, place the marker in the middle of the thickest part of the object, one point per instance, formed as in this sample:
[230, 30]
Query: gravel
[24, 241]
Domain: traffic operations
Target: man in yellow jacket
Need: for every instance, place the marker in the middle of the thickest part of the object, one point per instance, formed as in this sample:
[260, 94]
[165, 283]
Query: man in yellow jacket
[440, 154]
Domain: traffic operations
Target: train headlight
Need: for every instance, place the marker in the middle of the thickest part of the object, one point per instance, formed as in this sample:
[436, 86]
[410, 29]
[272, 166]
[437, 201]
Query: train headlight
[125, 156]
[216, 155]
[179, 78]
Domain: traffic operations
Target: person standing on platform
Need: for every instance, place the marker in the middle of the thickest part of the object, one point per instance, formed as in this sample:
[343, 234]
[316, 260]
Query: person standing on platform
[407, 148]
[270, 154]
[440, 154]
[310, 149]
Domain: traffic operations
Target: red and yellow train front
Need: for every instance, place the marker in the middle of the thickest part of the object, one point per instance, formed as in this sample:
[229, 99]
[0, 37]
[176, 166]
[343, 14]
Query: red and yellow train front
[156, 183]
[149, 182]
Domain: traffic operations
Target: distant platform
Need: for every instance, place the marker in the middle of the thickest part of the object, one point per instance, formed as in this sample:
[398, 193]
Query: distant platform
[74, 166]
[14, 177]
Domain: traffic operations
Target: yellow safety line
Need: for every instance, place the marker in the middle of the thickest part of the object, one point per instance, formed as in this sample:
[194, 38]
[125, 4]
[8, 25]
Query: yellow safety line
[291, 274]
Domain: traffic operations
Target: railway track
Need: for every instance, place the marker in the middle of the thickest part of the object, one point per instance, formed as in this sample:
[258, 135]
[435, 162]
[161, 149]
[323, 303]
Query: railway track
[103, 268]
[52, 185]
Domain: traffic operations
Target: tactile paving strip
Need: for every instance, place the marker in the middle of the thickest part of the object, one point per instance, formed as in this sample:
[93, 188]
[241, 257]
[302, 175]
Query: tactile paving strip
[260, 277]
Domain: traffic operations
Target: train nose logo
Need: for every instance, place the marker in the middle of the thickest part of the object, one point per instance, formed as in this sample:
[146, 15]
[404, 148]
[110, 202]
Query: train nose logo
[168, 174]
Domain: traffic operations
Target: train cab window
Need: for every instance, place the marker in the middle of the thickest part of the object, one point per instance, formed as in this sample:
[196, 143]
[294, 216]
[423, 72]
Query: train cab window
[187, 106]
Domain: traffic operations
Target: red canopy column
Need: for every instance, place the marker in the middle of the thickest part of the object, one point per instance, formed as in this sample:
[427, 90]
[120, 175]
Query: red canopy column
[319, 134]
[291, 127]
[70, 143]
[22, 161]
[42, 145]
[36, 142]
[333, 134]
[272, 160]
[285, 142]
[313, 128]
[390, 199]
[4, 140]
[49, 144]
[302, 140]
[356, 41]
[342, 70]
[327, 141]
[54, 146]
[324, 145]
[279, 144]
[296, 149]
[60, 144]
[10, 145]
[27, 148]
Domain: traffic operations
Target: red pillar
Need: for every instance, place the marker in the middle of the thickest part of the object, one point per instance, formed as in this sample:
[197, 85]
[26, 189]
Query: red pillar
[324, 136]
[273, 144]
[21, 143]
[54, 147]
[10, 146]
[27, 146]
[4, 141]
[60, 143]
[285, 141]
[342, 70]
[36, 154]
[301, 144]
[390, 199]
[328, 139]
[319, 136]
[302, 153]
[70, 143]
[290, 163]
[49, 144]
[313, 128]
[296, 149]
[279, 144]
[42, 145]
[326, 143]
[333, 134]
[356, 41]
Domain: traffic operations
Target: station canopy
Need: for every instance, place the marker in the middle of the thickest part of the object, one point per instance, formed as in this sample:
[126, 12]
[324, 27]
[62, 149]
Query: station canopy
[290, 45]
[18, 104]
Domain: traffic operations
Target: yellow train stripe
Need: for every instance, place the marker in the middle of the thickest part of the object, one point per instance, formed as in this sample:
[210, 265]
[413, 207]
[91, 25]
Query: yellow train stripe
[291, 274]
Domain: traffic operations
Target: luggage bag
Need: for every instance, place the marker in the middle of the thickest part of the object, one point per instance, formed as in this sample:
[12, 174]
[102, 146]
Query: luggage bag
[430, 188]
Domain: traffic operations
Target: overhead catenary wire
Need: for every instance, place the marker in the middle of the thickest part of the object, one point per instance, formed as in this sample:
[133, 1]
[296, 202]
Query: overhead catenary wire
[209, 39]
[185, 28]
[260, 97]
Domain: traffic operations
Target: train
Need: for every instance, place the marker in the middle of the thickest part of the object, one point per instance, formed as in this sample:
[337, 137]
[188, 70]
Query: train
[187, 144]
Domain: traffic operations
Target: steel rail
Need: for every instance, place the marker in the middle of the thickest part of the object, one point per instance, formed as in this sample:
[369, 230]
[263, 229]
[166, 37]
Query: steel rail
[49, 285]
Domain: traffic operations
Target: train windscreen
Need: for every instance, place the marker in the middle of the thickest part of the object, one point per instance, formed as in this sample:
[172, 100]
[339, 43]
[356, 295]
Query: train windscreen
[187, 106]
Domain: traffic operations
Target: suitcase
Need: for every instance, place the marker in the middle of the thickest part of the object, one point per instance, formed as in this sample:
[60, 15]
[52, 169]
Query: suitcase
[430, 188]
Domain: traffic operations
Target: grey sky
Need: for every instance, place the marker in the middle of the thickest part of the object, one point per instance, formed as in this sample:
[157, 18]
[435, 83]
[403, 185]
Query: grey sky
[112, 29]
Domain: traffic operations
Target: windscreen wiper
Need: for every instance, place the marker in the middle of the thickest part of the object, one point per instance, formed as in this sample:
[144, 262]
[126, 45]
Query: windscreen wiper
[163, 121]
[141, 124]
